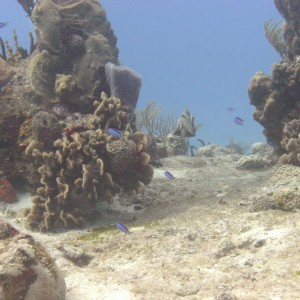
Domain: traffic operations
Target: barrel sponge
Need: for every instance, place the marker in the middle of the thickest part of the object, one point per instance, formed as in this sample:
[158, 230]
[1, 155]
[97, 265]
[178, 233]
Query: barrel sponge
[124, 83]
[94, 20]
[86, 68]
[48, 23]
[259, 88]
[42, 70]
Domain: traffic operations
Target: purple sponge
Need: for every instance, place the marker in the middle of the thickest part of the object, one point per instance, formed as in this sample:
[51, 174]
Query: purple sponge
[124, 84]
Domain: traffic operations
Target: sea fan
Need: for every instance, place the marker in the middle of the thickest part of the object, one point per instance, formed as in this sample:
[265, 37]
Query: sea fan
[274, 33]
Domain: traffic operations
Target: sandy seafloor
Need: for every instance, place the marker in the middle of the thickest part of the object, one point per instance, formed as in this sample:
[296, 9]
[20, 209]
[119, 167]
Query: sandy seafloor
[195, 239]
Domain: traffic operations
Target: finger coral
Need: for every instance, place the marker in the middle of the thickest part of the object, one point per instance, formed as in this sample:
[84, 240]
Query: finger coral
[88, 166]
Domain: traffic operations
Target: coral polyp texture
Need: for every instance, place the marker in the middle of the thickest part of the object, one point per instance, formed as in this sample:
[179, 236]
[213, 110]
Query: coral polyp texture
[276, 97]
[87, 166]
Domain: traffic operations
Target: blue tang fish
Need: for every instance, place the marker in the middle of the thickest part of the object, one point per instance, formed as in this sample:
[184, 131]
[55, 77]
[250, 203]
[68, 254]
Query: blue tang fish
[169, 175]
[122, 228]
[115, 132]
[238, 121]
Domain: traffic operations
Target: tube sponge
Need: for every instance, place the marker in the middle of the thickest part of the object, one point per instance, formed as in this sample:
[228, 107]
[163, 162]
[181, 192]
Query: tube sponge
[124, 83]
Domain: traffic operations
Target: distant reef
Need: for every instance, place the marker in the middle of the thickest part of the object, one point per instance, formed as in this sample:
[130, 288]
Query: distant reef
[276, 97]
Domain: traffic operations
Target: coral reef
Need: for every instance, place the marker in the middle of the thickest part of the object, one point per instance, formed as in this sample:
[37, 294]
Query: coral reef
[276, 97]
[290, 10]
[56, 134]
[85, 166]
[78, 34]
[43, 68]
[27, 271]
[45, 128]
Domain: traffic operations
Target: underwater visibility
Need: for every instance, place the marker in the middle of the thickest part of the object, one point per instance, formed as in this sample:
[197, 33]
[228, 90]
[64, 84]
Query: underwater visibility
[102, 197]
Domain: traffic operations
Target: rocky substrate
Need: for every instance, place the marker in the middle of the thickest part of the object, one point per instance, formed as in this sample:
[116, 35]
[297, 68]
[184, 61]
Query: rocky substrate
[204, 235]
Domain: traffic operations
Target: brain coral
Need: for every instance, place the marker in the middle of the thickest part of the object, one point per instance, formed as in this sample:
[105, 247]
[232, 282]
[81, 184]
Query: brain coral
[122, 154]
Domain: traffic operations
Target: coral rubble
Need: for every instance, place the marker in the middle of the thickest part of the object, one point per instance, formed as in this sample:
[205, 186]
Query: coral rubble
[27, 271]
[276, 97]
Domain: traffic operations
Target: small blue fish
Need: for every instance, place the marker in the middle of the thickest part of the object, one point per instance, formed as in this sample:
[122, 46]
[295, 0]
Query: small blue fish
[122, 228]
[169, 175]
[116, 133]
[229, 108]
[238, 121]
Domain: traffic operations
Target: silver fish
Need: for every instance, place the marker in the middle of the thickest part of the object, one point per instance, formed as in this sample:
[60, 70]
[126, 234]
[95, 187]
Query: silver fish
[185, 125]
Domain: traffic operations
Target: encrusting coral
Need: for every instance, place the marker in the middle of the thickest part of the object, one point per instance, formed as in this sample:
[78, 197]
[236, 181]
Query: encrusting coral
[86, 166]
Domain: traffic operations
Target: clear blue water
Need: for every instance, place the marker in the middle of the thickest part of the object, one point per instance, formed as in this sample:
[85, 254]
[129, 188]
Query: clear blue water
[195, 54]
